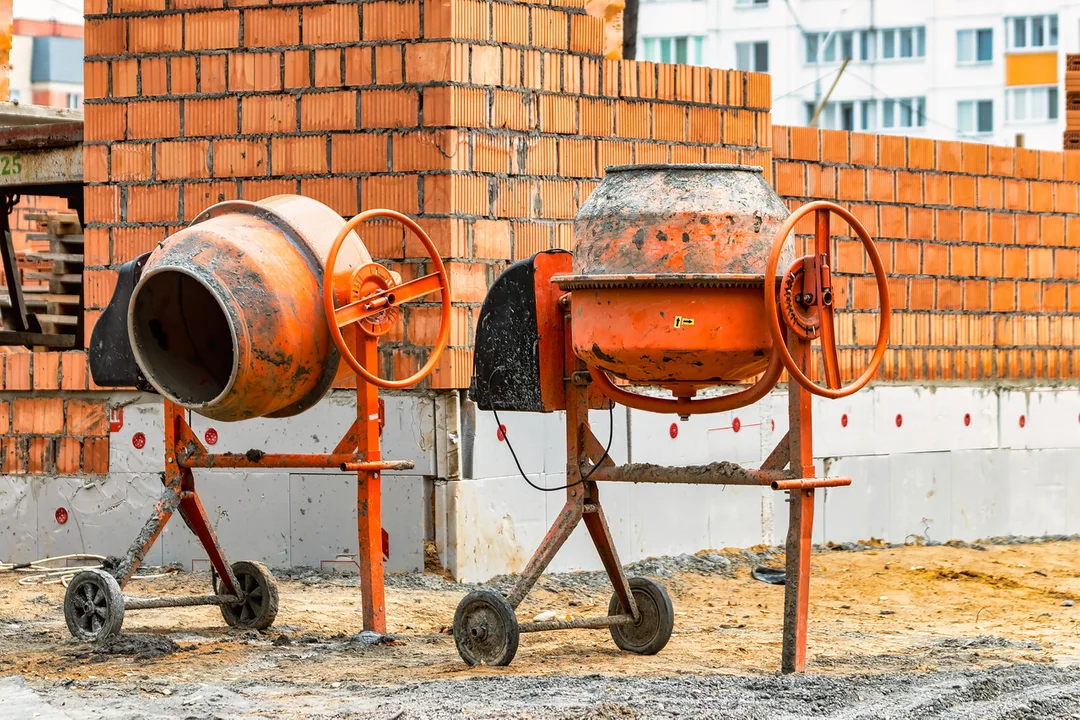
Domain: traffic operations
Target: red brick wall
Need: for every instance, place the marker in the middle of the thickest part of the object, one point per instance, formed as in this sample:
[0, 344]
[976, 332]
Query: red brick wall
[982, 245]
[490, 121]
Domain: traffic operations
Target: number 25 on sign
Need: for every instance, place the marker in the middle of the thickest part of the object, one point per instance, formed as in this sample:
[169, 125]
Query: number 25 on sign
[10, 164]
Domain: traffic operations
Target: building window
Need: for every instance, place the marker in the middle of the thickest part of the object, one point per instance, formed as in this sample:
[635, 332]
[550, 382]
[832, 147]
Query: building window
[865, 114]
[74, 101]
[835, 47]
[975, 116]
[680, 50]
[1031, 104]
[752, 2]
[752, 56]
[899, 43]
[1037, 32]
[13, 95]
[975, 46]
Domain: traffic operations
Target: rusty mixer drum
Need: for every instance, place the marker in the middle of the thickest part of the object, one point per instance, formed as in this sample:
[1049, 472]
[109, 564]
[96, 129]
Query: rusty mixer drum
[668, 273]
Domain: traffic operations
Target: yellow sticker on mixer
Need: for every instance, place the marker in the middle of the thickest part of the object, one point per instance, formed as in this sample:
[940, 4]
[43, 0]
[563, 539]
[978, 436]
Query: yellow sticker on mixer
[681, 321]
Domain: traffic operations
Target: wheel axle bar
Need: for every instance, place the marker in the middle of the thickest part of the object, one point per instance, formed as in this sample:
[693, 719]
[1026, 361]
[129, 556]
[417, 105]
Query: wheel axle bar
[594, 623]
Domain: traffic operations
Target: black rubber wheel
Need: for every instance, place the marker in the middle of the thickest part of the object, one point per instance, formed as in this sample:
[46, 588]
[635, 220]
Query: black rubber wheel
[94, 605]
[259, 606]
[652, 631]
[486, 629]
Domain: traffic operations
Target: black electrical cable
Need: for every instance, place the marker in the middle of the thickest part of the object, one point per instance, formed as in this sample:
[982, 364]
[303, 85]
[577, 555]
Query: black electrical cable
[611, 436]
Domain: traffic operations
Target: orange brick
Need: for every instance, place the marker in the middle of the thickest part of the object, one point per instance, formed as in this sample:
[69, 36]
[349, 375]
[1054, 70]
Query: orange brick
[298, 155]
[182, 75]
[337, 193]
[96, 456]
[272, 27]
[330, 24]
[125, 75]
[210, 117]
[1002, 160]
[1002, 229]
[69, 456]
[1016, 194]
[950, 295]
[38, 416]
[513, 111]
[213, 30]
[328, 68]
[400, 192]
[935, 259]
[176, 160]
[1016, 262]
[199, 196]
[892, 151]
[105, 36]
[154, 76]
[909, 187]
[87, 417]
[298, 67]
[401, 21]
[390, 108]
[558, 114]
[212, 78]
[254, 71]
[239, 158]
[328, 111]
[430, 62]
[361, 153]
[921, 294]
[492, 154]
[46, 371]
[152, 203]
[72, 370]
[962, 260]
[155, 34]
[976, 295]
[416, 151]
[132, 162]
[510, 24]
[154, 120]
[95, 163]
[263, 114]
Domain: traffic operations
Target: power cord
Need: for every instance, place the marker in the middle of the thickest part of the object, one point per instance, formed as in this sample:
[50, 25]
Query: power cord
[611, 436]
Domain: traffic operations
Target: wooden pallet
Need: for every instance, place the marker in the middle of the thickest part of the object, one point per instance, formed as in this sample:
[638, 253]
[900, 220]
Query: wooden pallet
[43, 303]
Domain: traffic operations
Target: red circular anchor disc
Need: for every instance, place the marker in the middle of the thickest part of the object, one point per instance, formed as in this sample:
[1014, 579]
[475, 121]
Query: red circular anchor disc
[61, 515]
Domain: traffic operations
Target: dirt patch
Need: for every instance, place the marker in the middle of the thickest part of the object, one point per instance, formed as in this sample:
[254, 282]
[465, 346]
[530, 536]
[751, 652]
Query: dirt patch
[139, 646]
[919, 619]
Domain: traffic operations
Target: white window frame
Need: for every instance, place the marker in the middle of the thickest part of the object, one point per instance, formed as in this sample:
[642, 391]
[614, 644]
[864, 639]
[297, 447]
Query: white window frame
[751, 3]
[652, 49]
[869, 115]
[914, 36]
[971, 109]
[1046, 26]
[1032, 104]
[74, 101]
[974, 33]
[750, 47]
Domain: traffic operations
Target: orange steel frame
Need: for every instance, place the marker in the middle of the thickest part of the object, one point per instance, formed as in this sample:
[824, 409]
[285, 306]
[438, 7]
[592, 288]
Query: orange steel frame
[788, 468]
[358, 451]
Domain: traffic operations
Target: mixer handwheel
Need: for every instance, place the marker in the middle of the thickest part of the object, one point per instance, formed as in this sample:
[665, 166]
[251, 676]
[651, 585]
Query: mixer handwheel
[259, 602]
[486, 629]
[652, 631]
[93, 605]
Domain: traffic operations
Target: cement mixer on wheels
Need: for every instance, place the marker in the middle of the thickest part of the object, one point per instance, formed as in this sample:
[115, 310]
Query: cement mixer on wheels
[673, 282]
[248, 313]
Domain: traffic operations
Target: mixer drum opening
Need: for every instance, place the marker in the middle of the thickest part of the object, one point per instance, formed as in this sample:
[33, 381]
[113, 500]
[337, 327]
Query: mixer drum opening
[182, 337]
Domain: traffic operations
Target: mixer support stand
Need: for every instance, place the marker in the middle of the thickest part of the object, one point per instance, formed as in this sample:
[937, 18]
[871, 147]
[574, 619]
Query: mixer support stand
[358, 449]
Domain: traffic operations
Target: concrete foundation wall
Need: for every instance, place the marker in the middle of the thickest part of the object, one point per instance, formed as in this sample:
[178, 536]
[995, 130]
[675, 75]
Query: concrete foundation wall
[279, 517]
[943, 463]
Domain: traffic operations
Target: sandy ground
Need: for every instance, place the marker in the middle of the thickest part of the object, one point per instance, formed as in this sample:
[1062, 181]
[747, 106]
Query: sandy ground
[894, 633]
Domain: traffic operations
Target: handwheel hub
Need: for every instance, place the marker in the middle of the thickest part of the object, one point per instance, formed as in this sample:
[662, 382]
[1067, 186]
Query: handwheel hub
[373, 281]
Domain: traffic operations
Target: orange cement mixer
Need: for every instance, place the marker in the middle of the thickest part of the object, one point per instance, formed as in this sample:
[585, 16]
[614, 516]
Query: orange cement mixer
[248, 313]
[673, 282]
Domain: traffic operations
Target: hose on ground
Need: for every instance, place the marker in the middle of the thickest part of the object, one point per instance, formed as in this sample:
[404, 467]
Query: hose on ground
[45, 572]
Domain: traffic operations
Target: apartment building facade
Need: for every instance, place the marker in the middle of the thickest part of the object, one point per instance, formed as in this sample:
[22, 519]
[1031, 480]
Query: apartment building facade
[46, 63]
[978, 70]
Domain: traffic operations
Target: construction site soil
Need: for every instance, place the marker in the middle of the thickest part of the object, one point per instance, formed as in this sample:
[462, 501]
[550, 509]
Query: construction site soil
[947, 631]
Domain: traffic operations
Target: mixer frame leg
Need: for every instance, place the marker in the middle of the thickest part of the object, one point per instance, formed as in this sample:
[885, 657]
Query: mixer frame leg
[369, 491]
[799, 543]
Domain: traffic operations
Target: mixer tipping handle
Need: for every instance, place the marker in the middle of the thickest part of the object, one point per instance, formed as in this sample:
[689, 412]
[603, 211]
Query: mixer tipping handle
[806, 300]
[375, 294]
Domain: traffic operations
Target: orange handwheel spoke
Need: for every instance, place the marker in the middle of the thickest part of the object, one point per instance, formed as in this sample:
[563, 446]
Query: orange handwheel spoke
[348, 314]
[828, 348]
[414, 289]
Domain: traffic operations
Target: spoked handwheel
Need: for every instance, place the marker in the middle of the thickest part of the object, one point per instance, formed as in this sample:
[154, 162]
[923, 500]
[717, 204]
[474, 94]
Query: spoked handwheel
[486, 629]
[94, 605]
[805, 302]
[375, 296]
[258, 604]
[656, 618]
